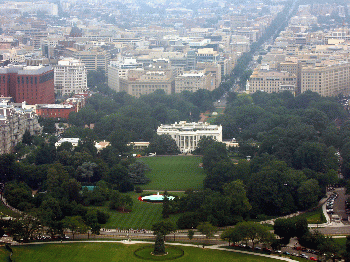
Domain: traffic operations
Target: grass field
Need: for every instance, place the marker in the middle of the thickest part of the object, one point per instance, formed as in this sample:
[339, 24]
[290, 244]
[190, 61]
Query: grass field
[315, 217]
[174, 173]
[143, 215]
[95, 252]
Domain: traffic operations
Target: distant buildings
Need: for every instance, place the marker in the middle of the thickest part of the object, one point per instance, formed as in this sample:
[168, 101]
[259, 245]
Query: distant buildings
[327, 79]
[70, 77]
[93, 59]
[142, 82]
[272, 81]
[33, 84]
[187, 135]
[13, 124]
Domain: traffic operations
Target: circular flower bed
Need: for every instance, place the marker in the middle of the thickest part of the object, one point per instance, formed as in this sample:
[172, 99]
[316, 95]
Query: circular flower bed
[172, 252]
[156, 198]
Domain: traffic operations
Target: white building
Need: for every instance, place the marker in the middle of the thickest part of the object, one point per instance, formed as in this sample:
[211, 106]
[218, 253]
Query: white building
[187, 135]
[70, 77]
[73, 141]
[192, 81]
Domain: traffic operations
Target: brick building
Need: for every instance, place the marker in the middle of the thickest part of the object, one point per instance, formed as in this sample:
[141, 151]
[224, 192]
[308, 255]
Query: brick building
[55, 110]
[33, 84]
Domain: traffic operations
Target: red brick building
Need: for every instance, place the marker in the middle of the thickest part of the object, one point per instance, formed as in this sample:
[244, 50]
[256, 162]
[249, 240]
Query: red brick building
[33, 84]
[55, 110]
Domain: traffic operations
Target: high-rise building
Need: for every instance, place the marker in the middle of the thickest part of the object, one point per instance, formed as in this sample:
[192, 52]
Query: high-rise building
[70, 77]
[94, 59]
[33, 84]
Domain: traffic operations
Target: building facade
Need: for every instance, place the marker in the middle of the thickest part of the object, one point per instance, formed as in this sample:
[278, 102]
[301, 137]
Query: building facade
[94, 59]
[187, 135]
[192, 81]
[142, 82]
[328, 79]
[272, 81]
[33, 84]
[70, 77]
[13, 124]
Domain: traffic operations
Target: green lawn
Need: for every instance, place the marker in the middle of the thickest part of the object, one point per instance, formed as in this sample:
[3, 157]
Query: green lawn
[94, 252]
[174, 173]
[315, 217]
[143, 215]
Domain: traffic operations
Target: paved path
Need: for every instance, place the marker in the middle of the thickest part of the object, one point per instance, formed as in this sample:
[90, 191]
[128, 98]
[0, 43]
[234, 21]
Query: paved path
[126, 242]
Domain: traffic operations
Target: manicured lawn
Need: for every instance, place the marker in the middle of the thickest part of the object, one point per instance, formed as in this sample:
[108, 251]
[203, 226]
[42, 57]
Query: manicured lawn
[143, 215]
[94, 252]
[314, 217]
[174, 173]
[4, 254]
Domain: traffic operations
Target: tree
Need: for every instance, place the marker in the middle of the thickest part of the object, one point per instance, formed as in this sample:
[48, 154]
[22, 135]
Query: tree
[255, 232]
[163, 228]
[87, 170]
[189, 220]
[207, 229]
[163, 145]
[346, 254]
[137, 172]
[301, 227]
[190, 234]
[311, 155]
[285, 229]
[308, 193]
[232, 235]
[126, 202]
[75, 224]
[239, 203]
[27, 138]
[330, 248]
[119, 141]
[166, 210]
[120, 201]
[26, 227]
[159, 247]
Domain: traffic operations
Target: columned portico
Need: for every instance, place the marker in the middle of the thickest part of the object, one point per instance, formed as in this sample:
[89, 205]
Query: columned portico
[187, 135]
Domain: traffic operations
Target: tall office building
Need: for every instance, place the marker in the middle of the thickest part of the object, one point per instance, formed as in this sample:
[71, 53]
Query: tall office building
[94, 59]
[70, 77]
[33, 84]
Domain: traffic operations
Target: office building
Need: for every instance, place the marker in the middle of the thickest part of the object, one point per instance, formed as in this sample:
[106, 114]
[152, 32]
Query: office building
[70, 77]
[272, 81]
[33, 84]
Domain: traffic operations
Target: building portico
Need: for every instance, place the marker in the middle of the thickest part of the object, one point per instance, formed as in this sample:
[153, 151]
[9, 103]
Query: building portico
[187, 135]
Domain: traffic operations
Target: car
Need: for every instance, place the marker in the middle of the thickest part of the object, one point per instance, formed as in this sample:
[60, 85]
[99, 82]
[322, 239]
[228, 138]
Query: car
[313, 258]
[286, 253]
[304, 256]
